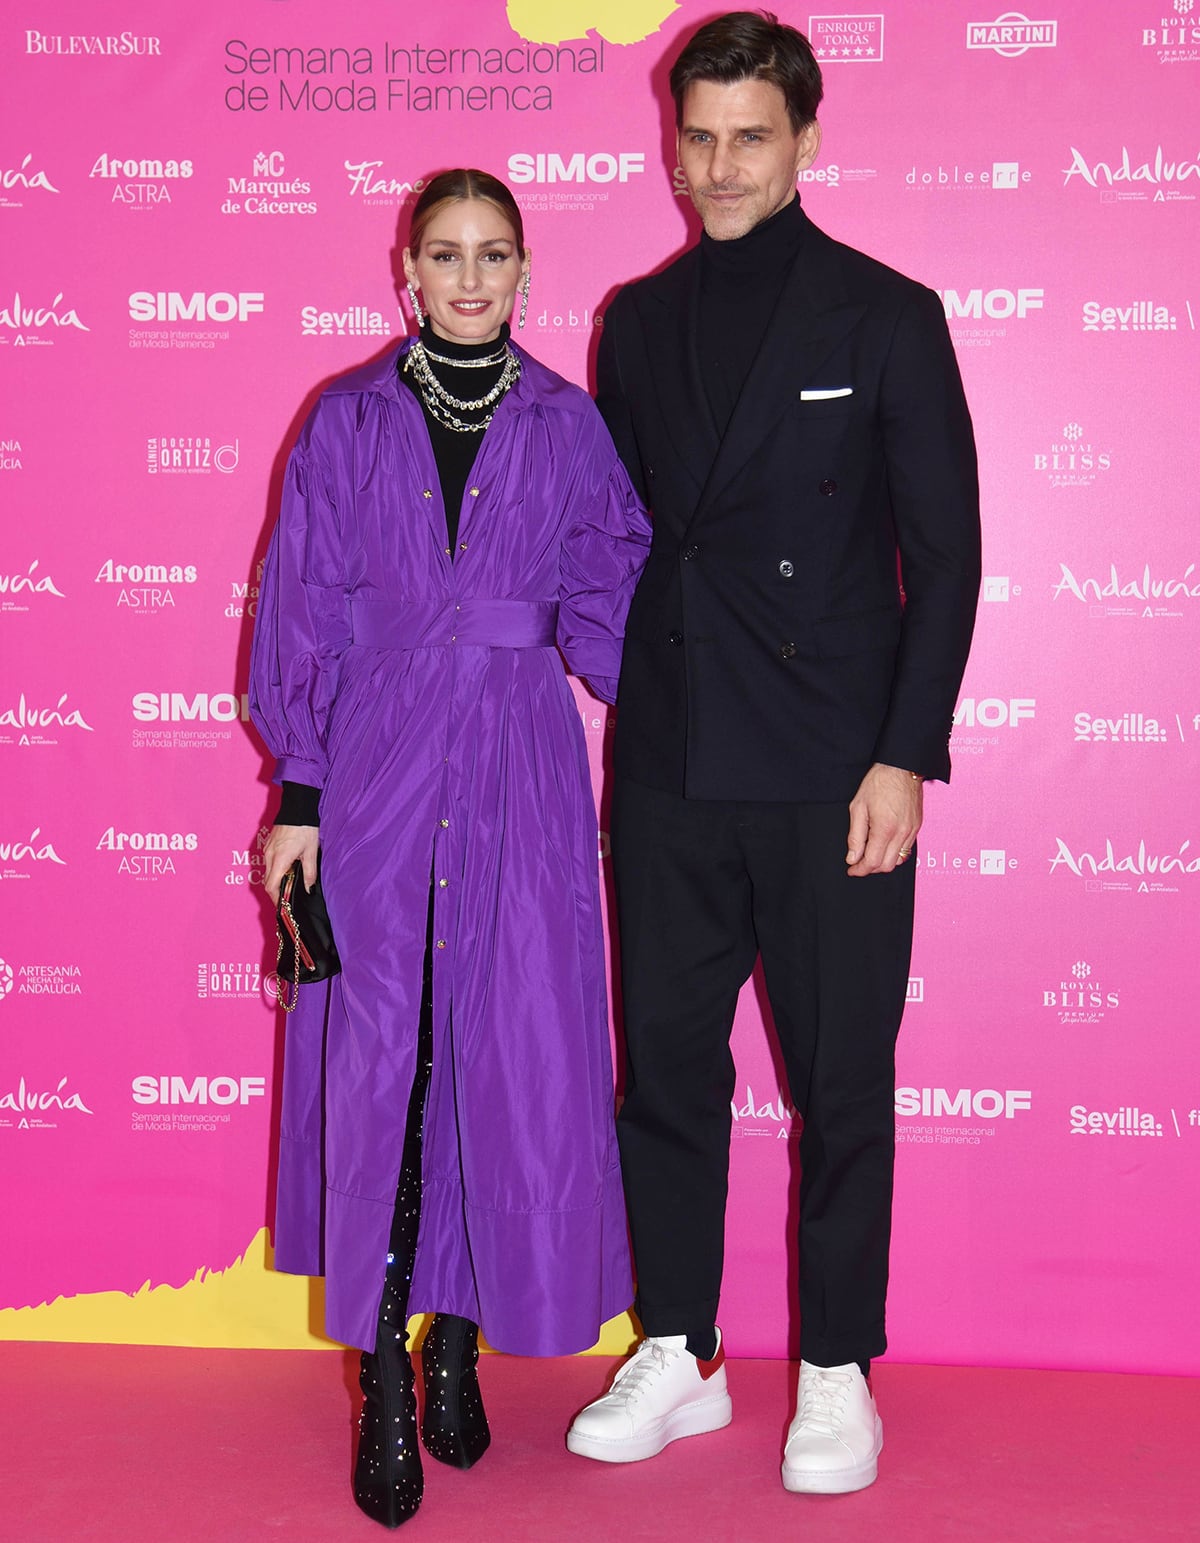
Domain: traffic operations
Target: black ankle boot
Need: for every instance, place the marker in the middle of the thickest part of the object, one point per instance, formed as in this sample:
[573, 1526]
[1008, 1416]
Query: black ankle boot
[454, 1427]
[388, 1482]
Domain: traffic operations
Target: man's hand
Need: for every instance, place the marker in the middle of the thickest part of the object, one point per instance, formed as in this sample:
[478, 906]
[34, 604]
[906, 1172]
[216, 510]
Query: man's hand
[885, 817]
[284, 845]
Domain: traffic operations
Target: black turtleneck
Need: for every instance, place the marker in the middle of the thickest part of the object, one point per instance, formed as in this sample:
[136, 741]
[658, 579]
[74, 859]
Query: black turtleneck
[740, 284]
[454, 451]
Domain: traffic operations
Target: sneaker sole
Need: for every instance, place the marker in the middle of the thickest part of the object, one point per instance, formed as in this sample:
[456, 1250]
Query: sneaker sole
[836, 1481]
[695, 1419]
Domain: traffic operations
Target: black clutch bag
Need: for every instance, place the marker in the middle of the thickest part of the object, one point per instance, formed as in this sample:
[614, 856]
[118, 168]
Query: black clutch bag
[306, 950]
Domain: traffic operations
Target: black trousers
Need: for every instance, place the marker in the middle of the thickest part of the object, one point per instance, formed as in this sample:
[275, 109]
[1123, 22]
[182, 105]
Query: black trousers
[702, 889]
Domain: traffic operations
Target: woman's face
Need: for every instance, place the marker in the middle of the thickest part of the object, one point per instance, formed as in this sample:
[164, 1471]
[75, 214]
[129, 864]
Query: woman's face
[468, 271]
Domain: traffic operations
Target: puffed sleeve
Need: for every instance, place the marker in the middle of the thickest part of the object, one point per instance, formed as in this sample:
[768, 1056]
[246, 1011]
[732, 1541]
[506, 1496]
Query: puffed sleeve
[303, 621]
[603, 553]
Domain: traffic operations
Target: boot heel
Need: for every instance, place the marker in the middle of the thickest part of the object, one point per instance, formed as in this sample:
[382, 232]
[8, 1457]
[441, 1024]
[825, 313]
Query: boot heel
[454, 1427]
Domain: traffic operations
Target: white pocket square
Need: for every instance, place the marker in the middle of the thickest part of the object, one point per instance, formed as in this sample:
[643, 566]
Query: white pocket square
[826, 394]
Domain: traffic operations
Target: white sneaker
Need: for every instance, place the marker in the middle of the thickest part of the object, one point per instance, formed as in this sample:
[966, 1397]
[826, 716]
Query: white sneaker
[661, 1393]
[834, 1442]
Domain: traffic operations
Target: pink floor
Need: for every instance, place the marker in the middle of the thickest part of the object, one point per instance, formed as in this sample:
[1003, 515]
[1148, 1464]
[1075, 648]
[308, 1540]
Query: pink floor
[162, 1446]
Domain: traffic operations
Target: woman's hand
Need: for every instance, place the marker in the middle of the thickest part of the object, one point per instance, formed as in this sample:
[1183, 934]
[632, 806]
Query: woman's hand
[284, 845]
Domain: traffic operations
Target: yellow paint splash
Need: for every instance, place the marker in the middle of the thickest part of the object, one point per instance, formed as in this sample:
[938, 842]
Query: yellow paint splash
[250, 1305]
[617, 21]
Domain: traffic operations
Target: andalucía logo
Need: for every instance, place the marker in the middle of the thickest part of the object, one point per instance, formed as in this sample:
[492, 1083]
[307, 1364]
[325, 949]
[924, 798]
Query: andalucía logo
[25, 722]
[17, 590]
[1150, 594]
[847, 39]
[1012, 34]
[16, 181]
[1115, 866]
[28, 1106]
[34, 325]
[19, 858]
[1139, 178]
[771, 1117]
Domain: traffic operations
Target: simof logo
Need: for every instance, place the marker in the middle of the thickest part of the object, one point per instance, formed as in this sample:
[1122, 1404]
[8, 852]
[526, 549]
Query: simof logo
[601, 166]
[994, 304]
[172, 305]
[847, 39]
[1012, 34]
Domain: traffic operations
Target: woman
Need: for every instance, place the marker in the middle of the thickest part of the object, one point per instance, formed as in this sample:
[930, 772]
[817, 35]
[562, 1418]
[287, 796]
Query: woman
[451, 513]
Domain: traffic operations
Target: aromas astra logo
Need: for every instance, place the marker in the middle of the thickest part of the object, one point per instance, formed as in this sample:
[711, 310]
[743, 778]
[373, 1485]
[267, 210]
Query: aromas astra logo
[949, 1116]
[33, 1105]
[147, 854]
[140, 182]
[200, 720]
[16, 182]
[190, 455]
[1124, 1120]
[1071, 460]
[203, 1104]
[1134, 315]
[20, 591]
[996, 176]
[120, 45]
[47, 978]
[268, 190]
[29, 323]
[847, 39]
[20, 859]
[1125, 868]
[351, 321]
[1081, 997]
[29, 722]
[1136, 177]
[146, 589]
[1012, 34]
[1175, 39]
[1151, 594]
[370, 182]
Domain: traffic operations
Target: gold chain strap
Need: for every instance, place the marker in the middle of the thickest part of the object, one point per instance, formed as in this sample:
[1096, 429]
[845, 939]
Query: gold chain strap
[281, 985]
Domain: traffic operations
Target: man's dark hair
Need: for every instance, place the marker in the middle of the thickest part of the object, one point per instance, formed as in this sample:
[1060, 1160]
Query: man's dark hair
[752, 45]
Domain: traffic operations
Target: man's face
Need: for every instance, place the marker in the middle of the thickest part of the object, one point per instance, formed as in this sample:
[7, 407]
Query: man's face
[739, 153]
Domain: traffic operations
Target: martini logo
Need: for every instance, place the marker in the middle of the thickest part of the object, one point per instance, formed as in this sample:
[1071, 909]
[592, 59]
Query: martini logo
[18, 590]
[25, 722]
[1012, 34]
[1125, 1120]
[17, 181]
[28, 1105]
[847, 39]
[1136, 177]
[27, 323]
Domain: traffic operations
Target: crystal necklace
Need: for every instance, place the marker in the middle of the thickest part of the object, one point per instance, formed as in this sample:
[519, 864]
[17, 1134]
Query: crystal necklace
[444, 407]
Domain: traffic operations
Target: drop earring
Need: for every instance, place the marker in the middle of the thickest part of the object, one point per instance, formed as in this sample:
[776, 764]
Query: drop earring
[416, 304]
[524, 299]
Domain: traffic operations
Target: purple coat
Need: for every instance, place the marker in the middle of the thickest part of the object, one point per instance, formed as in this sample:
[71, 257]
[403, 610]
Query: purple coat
[427, 699]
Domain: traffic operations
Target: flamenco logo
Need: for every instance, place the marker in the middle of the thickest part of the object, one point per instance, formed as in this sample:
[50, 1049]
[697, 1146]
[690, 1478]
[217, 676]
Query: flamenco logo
[18, 180]
[371, 184]
[29, 721]
[38, 326]
[31, 1105]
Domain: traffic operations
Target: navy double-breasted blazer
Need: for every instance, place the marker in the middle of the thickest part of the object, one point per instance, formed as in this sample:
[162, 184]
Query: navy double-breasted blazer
[809, 599]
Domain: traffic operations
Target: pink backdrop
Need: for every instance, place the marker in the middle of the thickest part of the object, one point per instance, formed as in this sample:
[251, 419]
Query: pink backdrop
[1042, 172]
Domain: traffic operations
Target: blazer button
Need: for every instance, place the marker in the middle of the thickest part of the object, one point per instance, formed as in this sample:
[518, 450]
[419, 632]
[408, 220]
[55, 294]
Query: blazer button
[689, 552]
[675, 638]
[787, 650]
[828, 487]
[786, 569]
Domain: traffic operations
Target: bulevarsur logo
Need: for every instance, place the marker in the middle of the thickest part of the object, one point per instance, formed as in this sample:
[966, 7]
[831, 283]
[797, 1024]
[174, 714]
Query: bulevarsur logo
[348, 321]
[268, 190]
[120, 45]
[140, 182]
[847, 39]
[1136, 176]
[373, 183]
[30, 321]
[27, 176]
[576, 166]
[146, 588]
[959, 177]
[20, 857]
[18, 588]
[1012, 34]
[32, 721]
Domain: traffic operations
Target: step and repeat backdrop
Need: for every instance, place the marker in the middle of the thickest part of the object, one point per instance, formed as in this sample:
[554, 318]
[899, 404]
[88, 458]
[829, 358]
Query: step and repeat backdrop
[201, 212]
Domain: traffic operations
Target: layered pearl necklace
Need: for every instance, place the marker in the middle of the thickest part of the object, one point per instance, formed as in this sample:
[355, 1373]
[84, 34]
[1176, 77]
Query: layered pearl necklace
[445, 407]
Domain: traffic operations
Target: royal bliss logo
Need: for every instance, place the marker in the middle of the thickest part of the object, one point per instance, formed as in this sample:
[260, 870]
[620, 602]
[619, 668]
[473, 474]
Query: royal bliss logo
[1081, 998]
[190, 455]
[30, 1104]
[18, 591]
[1072, 460]
[30, 323]
[1136, 177]
[32, 721]
[20, 859]
[17, 181]
[1012, 34]
[847, 39]
[268, 190]
[1175, 39]
[140, 182]
[146, 588]
[351, 321]
[1153, 594]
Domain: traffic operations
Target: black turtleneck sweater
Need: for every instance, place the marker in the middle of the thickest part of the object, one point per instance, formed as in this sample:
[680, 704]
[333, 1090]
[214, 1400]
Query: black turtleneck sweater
[454, 452]
[740, 285]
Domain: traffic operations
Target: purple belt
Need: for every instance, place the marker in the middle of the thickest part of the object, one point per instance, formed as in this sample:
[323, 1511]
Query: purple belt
[398, 623]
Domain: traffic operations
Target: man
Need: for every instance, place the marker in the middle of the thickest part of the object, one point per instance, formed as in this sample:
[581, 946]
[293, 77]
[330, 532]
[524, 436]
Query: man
[792, 413]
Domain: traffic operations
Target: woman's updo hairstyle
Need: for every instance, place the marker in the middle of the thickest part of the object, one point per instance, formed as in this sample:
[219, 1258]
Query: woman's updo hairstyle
[458, 186]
